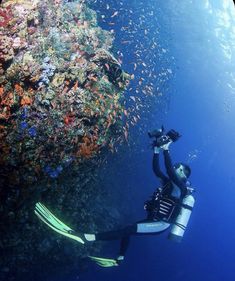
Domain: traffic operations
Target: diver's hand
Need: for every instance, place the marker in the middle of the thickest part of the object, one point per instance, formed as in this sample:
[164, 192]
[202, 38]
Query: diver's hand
[156, 149]
[166, 146]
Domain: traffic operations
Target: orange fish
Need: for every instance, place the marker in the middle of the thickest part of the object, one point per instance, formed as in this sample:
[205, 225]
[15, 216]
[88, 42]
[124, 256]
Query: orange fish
[75, 86]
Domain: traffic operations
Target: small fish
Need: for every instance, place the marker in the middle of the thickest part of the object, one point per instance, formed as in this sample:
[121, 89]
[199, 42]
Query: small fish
[53, 104]
[75, 86]
[111, 147]
[85, 24]
[126, 134]
[119, 60]
[125, 112]
[135, 119]
[114, 14]
[109, 96]
[132, 98]
[93, 78]
[107, 66]
[125, 42]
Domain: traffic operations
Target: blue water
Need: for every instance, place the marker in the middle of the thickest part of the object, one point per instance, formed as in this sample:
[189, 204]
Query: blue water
[199, 102]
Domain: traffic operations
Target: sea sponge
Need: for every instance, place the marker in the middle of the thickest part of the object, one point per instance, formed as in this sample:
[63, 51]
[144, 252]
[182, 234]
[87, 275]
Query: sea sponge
[6, 48]
[13, 71]
[58, 79]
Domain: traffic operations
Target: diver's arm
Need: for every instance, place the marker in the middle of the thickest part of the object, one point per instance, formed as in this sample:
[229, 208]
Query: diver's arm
[168, 163]
[172, 175]
[156, 167]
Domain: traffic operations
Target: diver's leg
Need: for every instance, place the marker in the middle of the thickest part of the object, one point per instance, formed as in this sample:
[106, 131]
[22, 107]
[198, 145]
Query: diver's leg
[151, 227]
[120, 234]
[116, 234]
[124, 245]
[141, 227]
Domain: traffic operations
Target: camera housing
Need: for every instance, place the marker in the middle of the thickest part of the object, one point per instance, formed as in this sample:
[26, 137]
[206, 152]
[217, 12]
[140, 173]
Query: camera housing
[161, 138]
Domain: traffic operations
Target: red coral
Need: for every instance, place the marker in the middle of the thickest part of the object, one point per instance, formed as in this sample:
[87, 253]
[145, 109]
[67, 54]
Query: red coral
[68, 119]
[6, 16]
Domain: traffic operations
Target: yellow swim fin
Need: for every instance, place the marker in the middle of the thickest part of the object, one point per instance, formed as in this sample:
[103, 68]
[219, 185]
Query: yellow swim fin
[54, 223]
[104, 262]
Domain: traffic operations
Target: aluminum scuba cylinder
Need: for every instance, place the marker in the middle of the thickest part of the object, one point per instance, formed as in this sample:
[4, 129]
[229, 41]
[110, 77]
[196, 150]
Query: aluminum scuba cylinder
[181, 221]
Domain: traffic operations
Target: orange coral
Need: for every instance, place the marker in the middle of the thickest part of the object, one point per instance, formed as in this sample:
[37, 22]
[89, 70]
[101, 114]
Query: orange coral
[8, 100]
[26, 100]
[87, 148]
[19, 90]
[5, 115]
[1, 91]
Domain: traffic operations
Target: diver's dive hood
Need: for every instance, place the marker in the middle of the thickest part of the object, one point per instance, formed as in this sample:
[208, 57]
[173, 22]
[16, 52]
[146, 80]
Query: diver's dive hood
[181, 221]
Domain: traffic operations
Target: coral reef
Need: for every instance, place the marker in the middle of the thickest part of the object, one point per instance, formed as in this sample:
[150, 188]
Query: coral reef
[61, 107]
[59, 81]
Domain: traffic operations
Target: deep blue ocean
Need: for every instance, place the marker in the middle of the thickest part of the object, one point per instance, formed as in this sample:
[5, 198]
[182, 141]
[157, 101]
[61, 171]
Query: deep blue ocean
[196, 41]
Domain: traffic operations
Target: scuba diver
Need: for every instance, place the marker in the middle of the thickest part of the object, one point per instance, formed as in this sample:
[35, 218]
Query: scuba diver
[170, 205]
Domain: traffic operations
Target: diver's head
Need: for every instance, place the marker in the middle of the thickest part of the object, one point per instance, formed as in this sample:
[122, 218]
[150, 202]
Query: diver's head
[182, 170]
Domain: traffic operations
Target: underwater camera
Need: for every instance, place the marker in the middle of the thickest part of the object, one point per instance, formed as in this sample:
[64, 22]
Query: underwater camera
[161, 138]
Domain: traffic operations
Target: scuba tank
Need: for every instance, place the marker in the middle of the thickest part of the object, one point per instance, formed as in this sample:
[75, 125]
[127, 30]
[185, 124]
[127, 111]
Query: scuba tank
[181, 221]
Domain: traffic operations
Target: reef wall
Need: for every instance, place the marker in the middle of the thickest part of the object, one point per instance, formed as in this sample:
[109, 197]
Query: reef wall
[61, 89]
[61, 107]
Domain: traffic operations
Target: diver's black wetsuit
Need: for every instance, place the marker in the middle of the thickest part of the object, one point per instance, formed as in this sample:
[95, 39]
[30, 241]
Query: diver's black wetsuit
[150, 225]
[172, 176]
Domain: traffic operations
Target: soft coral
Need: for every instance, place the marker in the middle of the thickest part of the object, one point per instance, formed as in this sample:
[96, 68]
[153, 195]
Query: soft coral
[6, 16]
